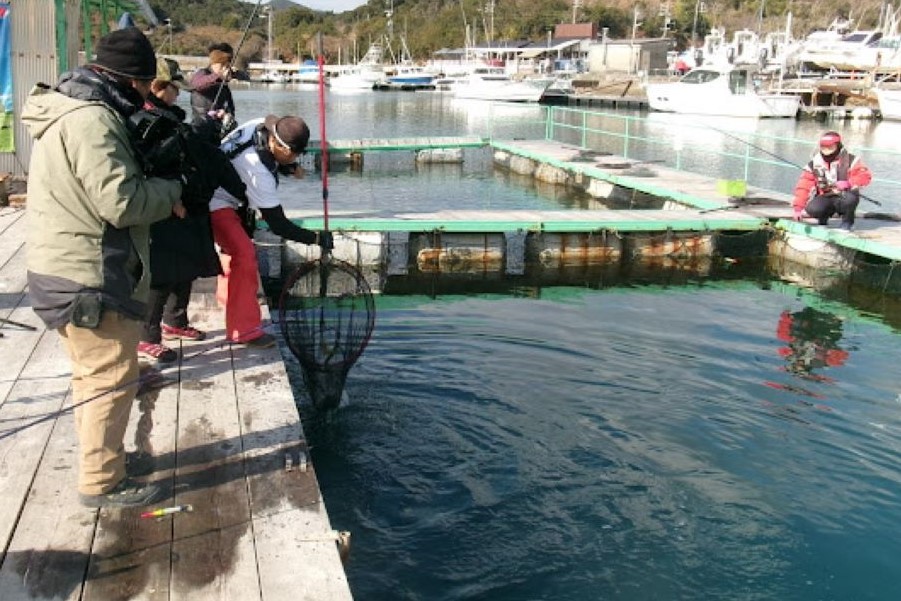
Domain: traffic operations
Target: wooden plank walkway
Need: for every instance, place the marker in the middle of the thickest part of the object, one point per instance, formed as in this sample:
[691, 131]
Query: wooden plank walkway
[221, 434]
[876, 236]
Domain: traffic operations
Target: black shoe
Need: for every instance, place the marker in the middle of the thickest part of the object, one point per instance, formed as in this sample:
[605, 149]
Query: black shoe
[822, 221]
[138, 464]
[846, 225]
[264, 341]
[125, 494]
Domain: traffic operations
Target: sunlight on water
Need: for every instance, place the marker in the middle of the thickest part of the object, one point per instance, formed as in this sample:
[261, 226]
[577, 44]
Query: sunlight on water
[724, 441]
[625, 443]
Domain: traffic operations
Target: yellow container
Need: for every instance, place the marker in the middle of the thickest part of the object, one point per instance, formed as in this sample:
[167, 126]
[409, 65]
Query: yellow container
[732, 188]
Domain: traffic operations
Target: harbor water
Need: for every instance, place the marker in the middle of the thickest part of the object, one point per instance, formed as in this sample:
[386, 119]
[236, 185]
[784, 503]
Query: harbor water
[649, 438]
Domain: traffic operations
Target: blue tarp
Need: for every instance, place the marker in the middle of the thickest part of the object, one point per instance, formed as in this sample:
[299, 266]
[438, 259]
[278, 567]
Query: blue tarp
[7, 142]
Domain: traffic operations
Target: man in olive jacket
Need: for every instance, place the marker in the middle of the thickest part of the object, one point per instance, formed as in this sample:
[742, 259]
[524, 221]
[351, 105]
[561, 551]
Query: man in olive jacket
[90, 207]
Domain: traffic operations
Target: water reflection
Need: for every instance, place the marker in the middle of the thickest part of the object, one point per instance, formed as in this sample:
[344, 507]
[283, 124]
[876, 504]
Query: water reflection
[811, 338]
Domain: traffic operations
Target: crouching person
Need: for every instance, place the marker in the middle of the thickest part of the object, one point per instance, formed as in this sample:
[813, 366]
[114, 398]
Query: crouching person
[830, 183]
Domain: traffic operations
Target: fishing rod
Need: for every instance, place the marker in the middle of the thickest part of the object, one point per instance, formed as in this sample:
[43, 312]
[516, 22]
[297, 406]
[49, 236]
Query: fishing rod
[231, 62]
[781, 159]
[141, 379]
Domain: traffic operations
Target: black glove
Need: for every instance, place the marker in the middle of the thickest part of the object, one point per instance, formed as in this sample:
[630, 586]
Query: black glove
[325, 240]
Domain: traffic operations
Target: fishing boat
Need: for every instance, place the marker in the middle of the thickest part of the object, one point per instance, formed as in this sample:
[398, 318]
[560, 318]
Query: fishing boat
[493, 83]
[307, 73]
[274, 76]
[889, 103]
[410, 76]
[729, 91]
[364, 74]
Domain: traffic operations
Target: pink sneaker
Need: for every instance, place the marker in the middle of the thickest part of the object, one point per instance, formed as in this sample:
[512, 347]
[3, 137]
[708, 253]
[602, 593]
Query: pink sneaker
[161, 353]
[186, 333]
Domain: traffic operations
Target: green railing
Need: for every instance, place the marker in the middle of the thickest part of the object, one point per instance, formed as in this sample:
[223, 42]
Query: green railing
[765, 161]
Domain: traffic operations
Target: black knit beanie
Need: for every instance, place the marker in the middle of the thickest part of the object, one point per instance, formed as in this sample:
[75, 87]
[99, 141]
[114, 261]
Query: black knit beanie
[126, 52]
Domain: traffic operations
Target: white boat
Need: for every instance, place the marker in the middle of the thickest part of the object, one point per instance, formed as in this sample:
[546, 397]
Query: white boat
[889, 103]
[274, 76]
[493, 83]
[307, 73]
[409, 76]
[364, 74]
[354, 78]
[842, 54]
[723, 91]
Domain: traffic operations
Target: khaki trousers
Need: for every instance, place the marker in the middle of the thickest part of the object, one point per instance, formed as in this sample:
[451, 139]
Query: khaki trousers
[105, 374]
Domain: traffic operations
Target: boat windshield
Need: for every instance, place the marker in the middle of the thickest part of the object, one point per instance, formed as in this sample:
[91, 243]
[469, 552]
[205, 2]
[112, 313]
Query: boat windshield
[700, 76]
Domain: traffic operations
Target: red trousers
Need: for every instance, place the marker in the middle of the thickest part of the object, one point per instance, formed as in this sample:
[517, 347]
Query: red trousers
[236, 289]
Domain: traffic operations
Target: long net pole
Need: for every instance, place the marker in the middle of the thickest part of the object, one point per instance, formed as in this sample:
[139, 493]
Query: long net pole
[323, 143]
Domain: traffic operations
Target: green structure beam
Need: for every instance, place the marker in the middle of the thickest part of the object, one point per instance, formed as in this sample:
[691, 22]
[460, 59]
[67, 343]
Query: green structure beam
[105, 9]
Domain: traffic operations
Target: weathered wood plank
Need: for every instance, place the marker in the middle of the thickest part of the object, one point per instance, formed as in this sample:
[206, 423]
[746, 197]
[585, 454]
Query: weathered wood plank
[49, 554]
[40, 390]
[131, 556]
[289, 517]
[213, 545]
[12, 235]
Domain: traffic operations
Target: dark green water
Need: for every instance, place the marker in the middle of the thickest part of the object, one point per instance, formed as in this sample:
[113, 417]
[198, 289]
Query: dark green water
[700, 439]
[720, 441]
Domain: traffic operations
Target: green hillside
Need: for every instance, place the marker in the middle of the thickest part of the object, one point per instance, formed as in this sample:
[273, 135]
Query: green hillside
[428, 25]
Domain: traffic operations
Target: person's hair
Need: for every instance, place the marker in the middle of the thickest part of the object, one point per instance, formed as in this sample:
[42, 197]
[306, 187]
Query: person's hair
[222, 47]
[158, 85]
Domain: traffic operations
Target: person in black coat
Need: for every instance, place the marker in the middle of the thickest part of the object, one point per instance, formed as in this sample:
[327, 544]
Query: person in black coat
[182, 250]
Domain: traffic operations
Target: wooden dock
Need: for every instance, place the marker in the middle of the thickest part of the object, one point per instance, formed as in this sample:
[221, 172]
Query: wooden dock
[222, 435]
[876, 236]
[395, 144]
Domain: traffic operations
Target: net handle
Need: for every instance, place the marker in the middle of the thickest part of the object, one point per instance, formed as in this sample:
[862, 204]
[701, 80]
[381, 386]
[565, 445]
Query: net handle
[323, 143]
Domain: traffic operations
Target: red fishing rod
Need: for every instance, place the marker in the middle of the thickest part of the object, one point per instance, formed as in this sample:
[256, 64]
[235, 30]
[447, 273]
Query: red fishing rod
[326, 308]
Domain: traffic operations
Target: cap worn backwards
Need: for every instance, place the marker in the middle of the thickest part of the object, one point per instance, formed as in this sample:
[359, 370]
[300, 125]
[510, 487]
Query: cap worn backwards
[126, 52]
[289, 131]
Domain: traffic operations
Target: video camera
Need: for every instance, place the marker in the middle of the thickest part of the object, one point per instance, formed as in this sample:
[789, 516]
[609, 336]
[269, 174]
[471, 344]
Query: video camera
[159, 138]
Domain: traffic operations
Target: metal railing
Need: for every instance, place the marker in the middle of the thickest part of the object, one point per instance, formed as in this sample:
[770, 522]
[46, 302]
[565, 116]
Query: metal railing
[686, 143]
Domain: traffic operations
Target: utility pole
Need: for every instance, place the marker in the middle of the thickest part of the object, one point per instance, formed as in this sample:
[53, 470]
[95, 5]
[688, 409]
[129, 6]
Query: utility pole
[694, 23]
[577, 4]
[635, 24]
[267, 14]
[168, 23]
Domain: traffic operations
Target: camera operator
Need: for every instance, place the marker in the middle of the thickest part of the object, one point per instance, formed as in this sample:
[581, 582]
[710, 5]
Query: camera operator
[259, 150]
[181, 250]
[90, 206]
[830, 183]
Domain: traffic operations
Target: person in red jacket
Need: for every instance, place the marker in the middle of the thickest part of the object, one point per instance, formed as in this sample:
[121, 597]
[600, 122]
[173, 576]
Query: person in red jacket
[830, 183]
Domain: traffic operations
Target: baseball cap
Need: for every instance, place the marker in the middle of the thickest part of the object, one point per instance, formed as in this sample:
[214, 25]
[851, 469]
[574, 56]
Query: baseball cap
[168, 71]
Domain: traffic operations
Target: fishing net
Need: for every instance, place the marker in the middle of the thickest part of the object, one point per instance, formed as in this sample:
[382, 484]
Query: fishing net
[327, 313]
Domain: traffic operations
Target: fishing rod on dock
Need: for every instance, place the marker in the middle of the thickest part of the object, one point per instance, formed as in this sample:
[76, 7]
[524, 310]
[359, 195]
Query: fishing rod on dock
[151, 376]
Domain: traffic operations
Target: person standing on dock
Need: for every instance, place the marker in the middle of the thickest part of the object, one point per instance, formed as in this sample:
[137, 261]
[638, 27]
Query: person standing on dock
[90, 206]
[181, 249]
[830, 183]
[210, 95]
[259, 150]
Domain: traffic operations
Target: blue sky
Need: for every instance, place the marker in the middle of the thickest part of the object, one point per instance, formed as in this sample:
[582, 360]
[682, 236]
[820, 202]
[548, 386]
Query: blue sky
[337, 6]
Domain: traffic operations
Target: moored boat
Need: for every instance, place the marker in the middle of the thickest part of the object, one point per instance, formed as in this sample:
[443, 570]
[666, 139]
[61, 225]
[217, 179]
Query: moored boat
[720, 90]
[889, 103]
[493, 83]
